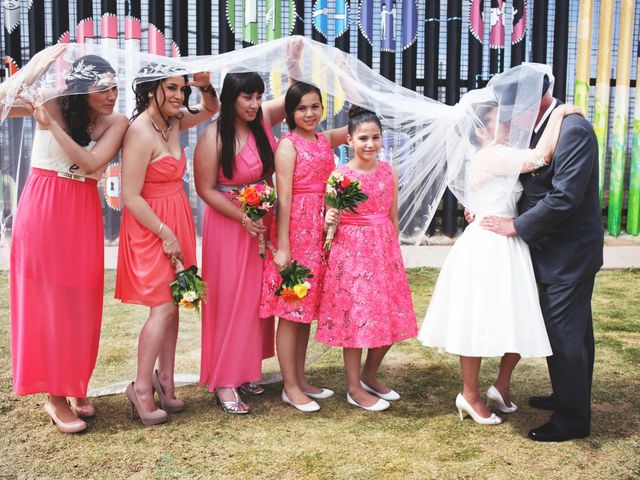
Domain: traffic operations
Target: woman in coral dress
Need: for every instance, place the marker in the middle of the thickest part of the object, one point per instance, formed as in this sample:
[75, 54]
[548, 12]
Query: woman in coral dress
[157, 232]
[366, 301]
[57, 247]
[304, 161]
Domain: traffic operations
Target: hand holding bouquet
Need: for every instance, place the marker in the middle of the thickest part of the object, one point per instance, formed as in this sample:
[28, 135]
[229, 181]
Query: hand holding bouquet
[188, 289]
[255, 201]
[294, 284]
[342, 194]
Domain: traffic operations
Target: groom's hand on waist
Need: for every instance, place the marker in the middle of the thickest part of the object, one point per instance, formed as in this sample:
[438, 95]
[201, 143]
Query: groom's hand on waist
[500, 225]
[469, 216]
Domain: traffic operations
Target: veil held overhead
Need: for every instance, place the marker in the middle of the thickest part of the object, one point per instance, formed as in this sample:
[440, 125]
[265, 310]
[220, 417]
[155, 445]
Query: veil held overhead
[431, 145]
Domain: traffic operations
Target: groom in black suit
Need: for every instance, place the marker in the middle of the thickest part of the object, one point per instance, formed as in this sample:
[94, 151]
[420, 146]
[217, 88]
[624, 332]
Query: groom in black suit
[560, 219]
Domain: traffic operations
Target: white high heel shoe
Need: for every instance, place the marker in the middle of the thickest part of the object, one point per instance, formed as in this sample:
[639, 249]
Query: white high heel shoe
[380, 405]
[311, 406]
[495, 401]
[390, 395]
[463, 406]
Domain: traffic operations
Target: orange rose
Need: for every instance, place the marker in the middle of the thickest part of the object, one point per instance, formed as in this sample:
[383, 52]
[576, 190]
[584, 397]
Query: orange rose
[289, 295]
[253, 198]
[345, 182]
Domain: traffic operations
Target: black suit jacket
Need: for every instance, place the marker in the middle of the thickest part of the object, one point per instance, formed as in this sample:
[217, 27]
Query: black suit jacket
[559, 211]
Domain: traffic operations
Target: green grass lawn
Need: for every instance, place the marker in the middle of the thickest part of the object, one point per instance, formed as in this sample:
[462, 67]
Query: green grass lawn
[419, 437]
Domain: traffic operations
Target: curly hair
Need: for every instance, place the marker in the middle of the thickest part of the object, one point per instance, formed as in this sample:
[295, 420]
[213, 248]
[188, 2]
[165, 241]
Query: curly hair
[142, 88]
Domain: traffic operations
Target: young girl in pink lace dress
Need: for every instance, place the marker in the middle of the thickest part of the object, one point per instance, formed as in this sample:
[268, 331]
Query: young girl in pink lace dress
[304, 161]
[366, 301]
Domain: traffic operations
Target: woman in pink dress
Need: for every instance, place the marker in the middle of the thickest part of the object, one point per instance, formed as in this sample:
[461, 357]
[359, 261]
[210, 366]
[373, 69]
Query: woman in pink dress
[304, 161]
[57, 267]
[157, 228]
[366, 301]
[235, 151]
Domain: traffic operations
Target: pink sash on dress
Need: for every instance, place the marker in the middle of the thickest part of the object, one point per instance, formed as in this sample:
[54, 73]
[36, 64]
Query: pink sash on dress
[364, 220]
[309, 188]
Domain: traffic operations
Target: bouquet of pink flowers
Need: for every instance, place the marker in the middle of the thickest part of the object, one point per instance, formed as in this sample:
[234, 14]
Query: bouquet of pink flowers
[255, 201]
[342, 194]
[188, 289]
[294, 284]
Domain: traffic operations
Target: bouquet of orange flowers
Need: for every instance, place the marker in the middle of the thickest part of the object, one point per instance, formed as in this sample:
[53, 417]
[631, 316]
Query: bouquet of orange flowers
[255, 201]
[342, 194]
[294, 284]
[188, 289]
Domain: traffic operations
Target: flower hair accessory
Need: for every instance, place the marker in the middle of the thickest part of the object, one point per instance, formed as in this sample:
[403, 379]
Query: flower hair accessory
[87, 72]
[155, 71]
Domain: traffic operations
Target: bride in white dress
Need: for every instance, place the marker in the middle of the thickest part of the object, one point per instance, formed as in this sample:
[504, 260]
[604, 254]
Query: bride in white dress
[485, 303]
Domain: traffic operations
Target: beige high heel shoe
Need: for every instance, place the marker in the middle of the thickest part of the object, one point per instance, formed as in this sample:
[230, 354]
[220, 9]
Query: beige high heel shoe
[84, 411]
[147, 418]
[74, 426]
[171, 405]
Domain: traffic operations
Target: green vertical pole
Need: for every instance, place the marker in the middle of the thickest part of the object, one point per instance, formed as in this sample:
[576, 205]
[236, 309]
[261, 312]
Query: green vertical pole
[249, 23]
[273, 19]
[620, 122]
[633, 207]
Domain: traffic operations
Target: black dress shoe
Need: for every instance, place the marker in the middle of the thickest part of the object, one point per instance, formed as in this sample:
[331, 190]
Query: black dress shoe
[547, 402]
[551, 433]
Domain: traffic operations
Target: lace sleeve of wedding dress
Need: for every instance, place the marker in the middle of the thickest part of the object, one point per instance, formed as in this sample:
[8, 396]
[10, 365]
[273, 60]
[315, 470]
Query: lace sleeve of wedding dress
[505, 160]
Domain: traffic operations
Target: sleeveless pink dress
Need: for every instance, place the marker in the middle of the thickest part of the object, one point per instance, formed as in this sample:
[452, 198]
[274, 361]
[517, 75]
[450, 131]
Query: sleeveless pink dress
[144, 272]
[314, 164]
[366, 301]
[234, 339]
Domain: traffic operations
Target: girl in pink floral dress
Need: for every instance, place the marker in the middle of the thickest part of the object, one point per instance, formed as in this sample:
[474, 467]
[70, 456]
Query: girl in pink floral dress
[366, 301]
[304, 160]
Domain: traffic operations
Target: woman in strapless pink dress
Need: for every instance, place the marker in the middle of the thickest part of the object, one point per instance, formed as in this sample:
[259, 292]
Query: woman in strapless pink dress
[157, 228]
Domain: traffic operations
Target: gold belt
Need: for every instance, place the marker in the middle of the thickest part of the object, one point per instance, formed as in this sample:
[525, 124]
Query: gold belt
[71, 176]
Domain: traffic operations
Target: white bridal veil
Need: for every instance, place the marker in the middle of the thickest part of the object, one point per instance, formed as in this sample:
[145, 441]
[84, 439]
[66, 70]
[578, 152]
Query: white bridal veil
[432, 145]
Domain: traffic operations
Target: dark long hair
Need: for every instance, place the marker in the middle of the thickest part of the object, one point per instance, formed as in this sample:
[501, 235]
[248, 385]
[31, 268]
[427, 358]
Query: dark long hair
[234, 85]
[294, 96]
[73, 107]
[142, 86]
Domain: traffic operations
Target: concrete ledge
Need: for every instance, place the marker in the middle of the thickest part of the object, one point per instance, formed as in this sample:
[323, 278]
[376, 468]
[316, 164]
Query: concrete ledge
[615, 256]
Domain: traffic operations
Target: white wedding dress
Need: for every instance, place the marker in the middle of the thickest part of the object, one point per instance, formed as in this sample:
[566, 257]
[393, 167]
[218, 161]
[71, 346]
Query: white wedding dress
[485, 302]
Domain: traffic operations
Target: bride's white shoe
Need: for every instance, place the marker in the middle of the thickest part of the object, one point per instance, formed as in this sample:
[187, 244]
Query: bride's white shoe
[495, 401]
[463, 406]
